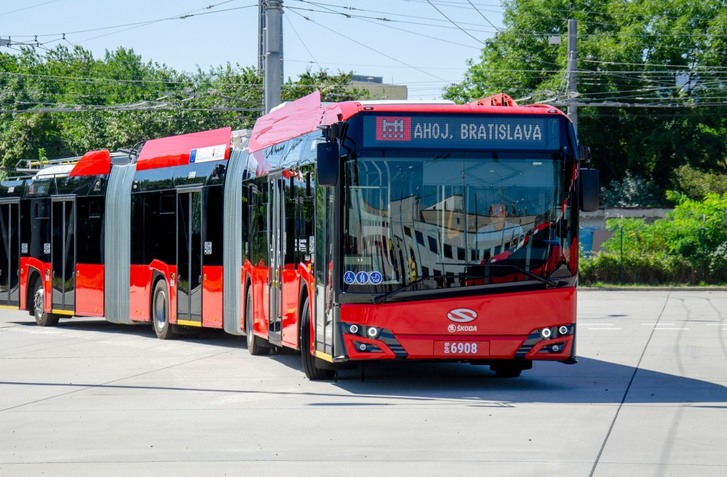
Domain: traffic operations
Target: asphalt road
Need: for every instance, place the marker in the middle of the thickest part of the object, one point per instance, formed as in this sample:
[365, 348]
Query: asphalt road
[648, 398]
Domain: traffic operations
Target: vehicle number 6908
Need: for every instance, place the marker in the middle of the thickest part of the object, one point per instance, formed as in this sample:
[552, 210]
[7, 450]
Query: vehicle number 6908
[460, 348]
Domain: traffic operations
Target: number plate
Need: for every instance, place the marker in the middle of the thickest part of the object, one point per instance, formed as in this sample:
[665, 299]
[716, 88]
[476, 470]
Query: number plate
[461, 348]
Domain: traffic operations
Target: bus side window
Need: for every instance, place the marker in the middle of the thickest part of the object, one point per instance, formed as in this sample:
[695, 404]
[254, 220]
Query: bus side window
[291, 220]
[258, 219]
[245, 212]
[307, 208]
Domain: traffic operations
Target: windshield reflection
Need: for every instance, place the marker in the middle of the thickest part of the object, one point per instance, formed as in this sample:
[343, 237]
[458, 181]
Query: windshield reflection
[454, 221]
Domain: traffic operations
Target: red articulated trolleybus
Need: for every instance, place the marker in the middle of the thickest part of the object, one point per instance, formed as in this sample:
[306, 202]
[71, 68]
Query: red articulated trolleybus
[350, 231]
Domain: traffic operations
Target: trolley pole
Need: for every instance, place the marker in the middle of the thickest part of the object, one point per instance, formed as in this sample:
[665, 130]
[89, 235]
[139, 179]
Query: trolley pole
[572, 86]
[273, 36]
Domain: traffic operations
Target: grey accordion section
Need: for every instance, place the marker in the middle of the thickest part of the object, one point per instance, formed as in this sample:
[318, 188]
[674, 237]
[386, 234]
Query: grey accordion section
[232, 239]
[117, 236]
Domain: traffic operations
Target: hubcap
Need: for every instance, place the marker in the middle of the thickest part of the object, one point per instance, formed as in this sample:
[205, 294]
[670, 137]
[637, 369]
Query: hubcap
[160, 310]
[248, 325]
[38, 304]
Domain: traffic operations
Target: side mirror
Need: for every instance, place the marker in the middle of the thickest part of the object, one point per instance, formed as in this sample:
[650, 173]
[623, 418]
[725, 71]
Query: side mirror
[328, 162]
[589, 190]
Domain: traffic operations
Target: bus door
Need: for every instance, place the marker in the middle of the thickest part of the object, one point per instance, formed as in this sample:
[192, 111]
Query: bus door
[189, 257]
[276, 245]
[9, 256]
[63, 254]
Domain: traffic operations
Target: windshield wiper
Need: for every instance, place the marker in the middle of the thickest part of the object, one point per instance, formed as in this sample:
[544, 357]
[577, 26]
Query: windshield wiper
[385, 296]
[547, 281]
[378, 299]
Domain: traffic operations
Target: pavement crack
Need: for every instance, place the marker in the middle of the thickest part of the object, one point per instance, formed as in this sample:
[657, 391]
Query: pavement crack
[628, 388]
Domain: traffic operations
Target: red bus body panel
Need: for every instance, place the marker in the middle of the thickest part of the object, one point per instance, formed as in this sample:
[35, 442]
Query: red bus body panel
[212, 297]
[175, 150]
[503, 324]
[260, 299]
[299, 117]
[89, 290]
[291, 292]
[93, 163]
[29, 265]
[139, 292]
[290, 283]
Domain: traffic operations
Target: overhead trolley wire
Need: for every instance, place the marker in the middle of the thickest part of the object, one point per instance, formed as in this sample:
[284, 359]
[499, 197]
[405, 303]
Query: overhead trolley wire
[455, 23]
[370, 48]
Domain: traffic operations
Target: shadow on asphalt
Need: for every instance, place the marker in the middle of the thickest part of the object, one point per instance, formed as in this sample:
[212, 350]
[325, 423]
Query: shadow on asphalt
[206, 336]
[590, 381]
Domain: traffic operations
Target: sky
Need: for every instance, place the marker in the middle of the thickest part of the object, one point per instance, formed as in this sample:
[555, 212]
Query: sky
[423, 44]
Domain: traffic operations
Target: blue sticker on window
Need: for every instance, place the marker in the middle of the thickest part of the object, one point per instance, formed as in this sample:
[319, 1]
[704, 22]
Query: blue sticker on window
[362, 278]
[375, 278]
[349, 277]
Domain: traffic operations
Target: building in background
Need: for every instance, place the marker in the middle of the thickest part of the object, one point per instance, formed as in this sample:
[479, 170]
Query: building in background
[593, 224]
[378, 89]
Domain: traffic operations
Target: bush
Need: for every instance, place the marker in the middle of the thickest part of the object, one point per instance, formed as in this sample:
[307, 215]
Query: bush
[688, 246]
[638, 269]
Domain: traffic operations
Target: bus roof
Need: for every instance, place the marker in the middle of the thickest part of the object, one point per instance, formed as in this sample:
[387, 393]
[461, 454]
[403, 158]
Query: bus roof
[177, 150]
[53, 171]
[307, 114]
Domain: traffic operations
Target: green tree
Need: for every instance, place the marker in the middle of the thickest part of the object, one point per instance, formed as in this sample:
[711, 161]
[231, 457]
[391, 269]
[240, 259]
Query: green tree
[696, 184]
[630, 192]
[67, 102]
[636, 53]
[332, 87]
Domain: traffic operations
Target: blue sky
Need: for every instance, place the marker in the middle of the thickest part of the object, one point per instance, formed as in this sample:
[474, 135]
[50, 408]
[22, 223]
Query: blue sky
[424, 44]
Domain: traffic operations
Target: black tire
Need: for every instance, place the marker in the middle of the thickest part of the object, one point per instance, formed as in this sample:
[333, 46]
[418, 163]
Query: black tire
[313, 367]
[256, 346]
[160, 311]
[507, 369]
[41, 317]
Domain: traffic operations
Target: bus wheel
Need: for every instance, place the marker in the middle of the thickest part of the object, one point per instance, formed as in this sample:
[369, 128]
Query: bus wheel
[160, 311]
[41, 317]
[507, 369]
[312, 366]
[255, 344]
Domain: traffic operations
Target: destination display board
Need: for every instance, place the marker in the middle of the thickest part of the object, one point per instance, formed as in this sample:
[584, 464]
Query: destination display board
[462, 132]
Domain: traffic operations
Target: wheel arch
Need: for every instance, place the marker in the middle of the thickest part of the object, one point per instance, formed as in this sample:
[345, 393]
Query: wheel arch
[245, 292]
[156, 277]
[34, 276]
[302, 295]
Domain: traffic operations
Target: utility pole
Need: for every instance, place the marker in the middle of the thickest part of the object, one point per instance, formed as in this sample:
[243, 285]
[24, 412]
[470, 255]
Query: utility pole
[572, 89]
[261, 35]
[273, 65]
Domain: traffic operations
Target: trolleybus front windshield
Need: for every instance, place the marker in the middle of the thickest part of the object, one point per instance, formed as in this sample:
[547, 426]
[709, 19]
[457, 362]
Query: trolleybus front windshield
[451, 220]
